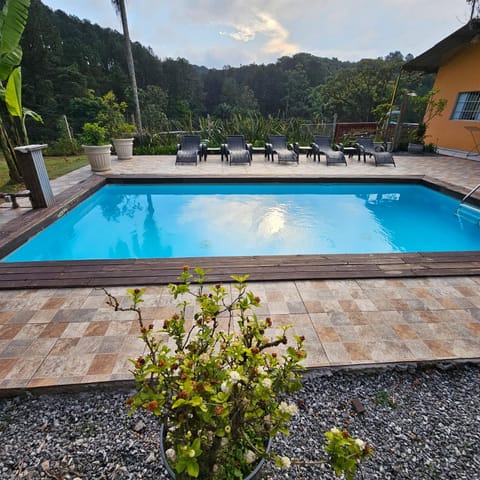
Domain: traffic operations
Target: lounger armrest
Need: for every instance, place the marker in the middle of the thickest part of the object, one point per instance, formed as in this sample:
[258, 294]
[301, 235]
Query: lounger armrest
[179, 147]
[380, 148]
[249, 147]
[360, 147]
[268, 148]
[296, 148]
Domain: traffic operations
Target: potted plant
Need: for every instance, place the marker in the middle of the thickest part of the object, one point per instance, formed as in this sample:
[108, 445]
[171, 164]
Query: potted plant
[430, 106]
[417, 139]
[122, 140]
[216, 380]
[96, 147]
[120, 132]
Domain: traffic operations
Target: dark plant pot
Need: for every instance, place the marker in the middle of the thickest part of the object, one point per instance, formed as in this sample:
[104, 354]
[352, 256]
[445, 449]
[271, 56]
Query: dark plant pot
[255, 474]
[415, 147]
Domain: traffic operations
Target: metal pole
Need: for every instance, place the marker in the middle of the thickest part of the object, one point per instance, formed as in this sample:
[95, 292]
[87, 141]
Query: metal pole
[392, 102]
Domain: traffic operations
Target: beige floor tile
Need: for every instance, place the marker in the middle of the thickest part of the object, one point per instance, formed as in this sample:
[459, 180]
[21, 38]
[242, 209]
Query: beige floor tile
[40, 347]
[25, 368]
[390, 351]
[358, 352]
[336, 353]
[405, 331]
[327, 334]
[420, 351]
[75, 330]
[43, 316]
[102, 364]
[30, 331]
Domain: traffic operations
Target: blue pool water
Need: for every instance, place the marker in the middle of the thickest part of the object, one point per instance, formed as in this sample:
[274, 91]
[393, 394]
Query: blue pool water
[197, 220]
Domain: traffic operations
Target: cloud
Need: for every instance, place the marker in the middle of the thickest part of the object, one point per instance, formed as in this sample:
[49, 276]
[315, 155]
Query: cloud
[264, 24]
[260, 31]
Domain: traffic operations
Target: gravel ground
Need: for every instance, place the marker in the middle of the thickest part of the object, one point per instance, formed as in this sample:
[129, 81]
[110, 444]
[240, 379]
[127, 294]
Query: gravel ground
[422, 423]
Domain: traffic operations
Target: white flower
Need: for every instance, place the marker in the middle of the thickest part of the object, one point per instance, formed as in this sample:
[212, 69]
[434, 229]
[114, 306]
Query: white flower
[284, 407]
[249, 456]
[224, 442]
[235, 377]
[285, 462]
[335, 430]
[261, 370]
[204, 357]
[360, 443]
[267, 383]
[224, 387]
[171, 455]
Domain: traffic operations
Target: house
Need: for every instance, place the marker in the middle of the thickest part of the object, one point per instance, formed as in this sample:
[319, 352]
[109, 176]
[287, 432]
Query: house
[456, 62]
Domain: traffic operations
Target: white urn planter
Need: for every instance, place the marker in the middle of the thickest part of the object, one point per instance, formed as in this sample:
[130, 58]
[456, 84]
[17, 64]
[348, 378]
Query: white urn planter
[99, 157]
[123, 147]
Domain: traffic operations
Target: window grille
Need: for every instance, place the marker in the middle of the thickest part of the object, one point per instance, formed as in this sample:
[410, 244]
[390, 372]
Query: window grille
[467, 106]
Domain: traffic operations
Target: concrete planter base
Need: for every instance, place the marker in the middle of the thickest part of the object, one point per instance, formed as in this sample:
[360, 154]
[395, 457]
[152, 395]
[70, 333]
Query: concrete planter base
[123, 147]
[99, 157]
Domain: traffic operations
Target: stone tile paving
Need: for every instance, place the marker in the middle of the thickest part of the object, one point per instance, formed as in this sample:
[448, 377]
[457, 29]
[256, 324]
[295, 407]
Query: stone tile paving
[51, 337]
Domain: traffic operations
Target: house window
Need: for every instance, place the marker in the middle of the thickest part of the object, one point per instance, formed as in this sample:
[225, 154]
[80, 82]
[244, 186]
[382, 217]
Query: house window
[467, 107]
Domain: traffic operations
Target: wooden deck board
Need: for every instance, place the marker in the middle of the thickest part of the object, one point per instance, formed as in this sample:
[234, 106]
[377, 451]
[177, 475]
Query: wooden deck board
[97, 273]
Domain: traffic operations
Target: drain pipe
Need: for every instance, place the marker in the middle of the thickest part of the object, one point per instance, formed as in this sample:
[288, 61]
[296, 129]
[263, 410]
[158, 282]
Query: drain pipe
[12, 197]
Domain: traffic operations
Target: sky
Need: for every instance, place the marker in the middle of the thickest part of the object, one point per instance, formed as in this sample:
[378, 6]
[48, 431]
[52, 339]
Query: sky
[218, 33]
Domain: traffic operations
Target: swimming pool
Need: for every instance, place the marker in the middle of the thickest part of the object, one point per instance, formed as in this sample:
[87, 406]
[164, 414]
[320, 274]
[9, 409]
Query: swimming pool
[215, 220]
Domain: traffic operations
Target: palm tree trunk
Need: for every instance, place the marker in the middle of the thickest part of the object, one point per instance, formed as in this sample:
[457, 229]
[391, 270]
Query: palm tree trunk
[120, 6]
[9, 153]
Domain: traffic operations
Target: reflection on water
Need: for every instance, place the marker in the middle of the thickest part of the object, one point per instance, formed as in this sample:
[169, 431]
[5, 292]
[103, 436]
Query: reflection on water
[148, 221]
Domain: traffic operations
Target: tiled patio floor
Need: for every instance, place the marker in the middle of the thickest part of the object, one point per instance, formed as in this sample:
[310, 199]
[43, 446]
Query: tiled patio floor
[51, 337]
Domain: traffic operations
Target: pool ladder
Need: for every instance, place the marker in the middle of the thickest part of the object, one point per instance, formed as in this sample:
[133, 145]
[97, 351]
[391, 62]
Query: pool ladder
[470, 216]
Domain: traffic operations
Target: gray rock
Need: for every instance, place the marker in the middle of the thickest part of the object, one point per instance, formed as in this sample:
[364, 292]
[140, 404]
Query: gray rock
[431, 432]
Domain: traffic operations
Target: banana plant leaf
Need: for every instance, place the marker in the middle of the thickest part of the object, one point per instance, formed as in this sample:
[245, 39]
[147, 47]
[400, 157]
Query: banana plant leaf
[13, 19]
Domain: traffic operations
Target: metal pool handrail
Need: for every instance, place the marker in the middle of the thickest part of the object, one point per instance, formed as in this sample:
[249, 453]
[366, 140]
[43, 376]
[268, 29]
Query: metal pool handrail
[469, 194]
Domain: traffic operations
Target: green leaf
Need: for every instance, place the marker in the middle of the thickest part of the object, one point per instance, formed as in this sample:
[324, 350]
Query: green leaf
[193, 468]
[13, 93]
[178, 403]
[38, 118]
[196, 445]
[13, 19]
[196, 401]
[8, 61]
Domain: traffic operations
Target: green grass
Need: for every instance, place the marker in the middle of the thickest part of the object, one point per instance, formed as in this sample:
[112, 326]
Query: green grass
[56, 167]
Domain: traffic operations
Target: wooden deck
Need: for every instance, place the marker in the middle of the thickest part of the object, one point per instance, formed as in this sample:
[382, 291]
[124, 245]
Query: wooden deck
[99, 273]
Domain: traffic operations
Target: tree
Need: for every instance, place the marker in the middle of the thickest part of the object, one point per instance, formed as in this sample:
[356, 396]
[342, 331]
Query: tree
[13, 19]
[154, 102]
[121, 9]
[475, 8]
[298, 92]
